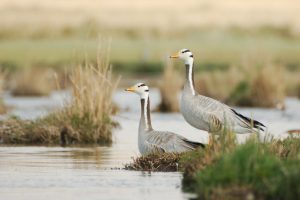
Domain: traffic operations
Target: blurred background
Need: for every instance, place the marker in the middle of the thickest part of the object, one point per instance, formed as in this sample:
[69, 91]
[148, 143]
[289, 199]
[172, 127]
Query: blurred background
[56, 86]
[244, 51]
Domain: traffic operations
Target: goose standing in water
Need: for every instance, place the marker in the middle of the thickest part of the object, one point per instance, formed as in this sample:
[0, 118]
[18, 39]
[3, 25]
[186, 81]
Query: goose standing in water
[208, 114]
[152, 141]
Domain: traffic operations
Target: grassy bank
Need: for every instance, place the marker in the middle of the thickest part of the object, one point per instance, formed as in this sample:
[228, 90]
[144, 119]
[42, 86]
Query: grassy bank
[258, 170]
[86, 119]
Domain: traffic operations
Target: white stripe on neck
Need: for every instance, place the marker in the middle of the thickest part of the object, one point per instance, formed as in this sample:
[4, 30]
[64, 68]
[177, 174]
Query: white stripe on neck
[190, 63]
[145, 96]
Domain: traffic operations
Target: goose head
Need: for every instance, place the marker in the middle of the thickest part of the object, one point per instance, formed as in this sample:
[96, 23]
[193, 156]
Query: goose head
[141, 89]
[185, 55]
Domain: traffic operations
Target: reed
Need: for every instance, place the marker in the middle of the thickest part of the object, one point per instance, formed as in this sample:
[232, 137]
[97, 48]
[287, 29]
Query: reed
[169, 89]
[89, 112]
[85, 119]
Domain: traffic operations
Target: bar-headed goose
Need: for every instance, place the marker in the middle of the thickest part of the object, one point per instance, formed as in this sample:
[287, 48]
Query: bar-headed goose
[208, 114]
[151, 141]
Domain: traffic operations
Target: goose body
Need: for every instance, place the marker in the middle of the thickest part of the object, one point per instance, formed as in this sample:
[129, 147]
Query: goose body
[151, 141]
[208, 114]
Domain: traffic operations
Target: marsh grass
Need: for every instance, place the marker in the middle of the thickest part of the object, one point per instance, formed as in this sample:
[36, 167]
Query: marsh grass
[40, 131]
[169, 89]
[91, 108]
[259, 170]
[33, 81]
[254, 167]
[85, 119]
[165, 162]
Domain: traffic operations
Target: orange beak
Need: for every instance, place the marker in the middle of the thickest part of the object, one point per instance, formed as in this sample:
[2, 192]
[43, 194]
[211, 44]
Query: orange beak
[175, 56]
[130, 89]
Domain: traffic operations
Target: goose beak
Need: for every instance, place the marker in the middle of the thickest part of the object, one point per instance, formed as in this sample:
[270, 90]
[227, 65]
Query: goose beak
[175, 56]
[130, 89]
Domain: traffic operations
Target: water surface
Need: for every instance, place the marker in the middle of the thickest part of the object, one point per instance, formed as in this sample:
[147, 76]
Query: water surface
[31, 173]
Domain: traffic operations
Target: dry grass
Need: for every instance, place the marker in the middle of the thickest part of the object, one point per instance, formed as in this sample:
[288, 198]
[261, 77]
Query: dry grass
[169, 89]
[33, 81]
[91, 107]
[86, 119]
[165, 162]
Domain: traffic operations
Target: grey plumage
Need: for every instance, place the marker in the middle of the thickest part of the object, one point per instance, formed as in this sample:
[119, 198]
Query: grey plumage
[152, 141]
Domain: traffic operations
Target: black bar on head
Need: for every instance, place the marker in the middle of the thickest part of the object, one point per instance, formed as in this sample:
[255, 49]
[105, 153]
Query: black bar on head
[185, 51]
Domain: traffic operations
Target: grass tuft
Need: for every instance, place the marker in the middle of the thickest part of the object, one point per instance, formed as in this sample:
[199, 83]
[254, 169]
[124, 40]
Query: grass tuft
[86, 119]
[165, 162]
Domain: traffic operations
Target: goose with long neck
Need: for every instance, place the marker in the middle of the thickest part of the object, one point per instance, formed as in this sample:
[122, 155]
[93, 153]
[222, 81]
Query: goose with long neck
[208, 114]
[151, 141]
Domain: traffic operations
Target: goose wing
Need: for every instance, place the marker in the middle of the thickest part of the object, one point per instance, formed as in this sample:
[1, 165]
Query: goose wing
[218, 115]
[164, 141]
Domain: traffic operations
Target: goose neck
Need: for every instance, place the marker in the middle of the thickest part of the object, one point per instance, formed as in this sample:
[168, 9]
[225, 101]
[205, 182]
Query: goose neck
[189, 65]
[145, 121]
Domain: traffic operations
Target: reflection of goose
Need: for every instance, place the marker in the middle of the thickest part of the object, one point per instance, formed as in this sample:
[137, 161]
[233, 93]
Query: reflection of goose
[151, 141]
[207, 114]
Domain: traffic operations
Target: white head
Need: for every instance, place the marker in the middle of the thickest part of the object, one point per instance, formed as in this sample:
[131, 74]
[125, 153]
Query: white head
[185, 55]
[141, 89]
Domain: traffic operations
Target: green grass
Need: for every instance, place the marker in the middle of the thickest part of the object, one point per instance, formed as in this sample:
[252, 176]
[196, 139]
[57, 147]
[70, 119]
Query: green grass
[267, 171]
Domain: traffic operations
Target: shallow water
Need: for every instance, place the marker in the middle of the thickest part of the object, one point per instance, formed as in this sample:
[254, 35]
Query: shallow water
[95, 172]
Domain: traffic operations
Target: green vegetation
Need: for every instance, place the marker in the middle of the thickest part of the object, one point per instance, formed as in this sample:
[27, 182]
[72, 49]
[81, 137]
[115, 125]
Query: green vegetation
[260, 170]
[213, 49]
